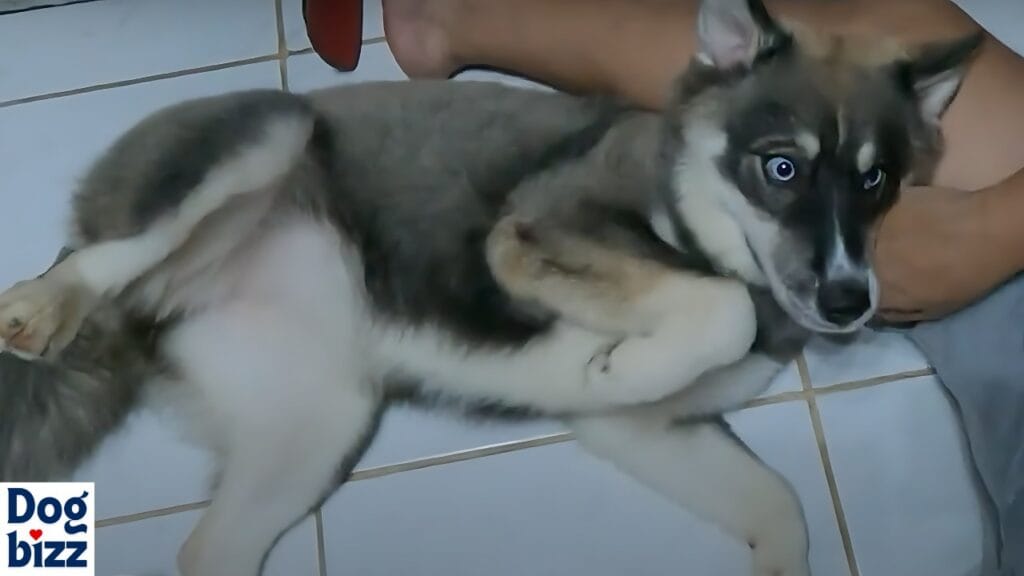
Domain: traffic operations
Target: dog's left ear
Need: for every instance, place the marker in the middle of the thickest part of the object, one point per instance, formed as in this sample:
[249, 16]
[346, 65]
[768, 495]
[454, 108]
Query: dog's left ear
[736, 33]
[936, 70]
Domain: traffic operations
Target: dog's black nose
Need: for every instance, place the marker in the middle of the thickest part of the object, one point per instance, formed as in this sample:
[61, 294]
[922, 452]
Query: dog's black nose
[843, 301]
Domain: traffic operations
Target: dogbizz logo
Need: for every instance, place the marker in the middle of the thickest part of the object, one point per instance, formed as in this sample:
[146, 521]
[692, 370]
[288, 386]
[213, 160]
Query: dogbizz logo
[48, 529]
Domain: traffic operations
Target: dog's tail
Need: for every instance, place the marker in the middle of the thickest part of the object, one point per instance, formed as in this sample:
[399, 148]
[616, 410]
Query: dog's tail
[54, 413]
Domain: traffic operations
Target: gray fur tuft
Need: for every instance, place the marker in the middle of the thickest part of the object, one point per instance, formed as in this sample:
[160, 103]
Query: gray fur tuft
[54, 414]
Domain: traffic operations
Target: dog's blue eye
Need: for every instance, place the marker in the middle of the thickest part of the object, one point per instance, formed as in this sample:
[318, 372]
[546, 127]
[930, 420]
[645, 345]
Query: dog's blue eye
[780, 169]
[873, 178]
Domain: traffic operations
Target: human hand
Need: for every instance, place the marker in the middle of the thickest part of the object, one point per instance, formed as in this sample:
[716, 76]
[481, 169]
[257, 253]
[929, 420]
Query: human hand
[938, 250]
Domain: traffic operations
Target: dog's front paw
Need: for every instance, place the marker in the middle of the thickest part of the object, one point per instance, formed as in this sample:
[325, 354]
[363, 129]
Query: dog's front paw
[40, 316]
[600, 363]
[632, 370]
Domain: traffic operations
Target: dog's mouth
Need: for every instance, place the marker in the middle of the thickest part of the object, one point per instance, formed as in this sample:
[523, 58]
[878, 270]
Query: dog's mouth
[807, 314]
[795, 289]
[799, 299]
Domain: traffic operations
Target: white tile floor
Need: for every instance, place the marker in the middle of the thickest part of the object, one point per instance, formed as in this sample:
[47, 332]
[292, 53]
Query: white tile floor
[864, 433]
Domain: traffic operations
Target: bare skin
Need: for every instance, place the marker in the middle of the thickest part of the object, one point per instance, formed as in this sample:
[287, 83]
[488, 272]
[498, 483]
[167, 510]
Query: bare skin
[941, 248]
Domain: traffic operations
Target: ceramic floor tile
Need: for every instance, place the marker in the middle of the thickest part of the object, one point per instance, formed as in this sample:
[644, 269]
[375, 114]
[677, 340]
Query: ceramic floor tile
[150, 548]
[904, 479]
[47, 145]
[118, 40]
[295, 26]
[308, 72]
[542, 512]
[145, 466]
[556, 510]
[870, 355]
[786, 381]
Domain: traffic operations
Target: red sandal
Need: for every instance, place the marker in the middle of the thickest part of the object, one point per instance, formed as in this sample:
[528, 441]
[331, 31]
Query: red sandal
[335, 29]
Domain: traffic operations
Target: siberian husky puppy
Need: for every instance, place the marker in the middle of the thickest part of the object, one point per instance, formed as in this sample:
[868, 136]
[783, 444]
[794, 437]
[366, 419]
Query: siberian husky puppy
[286, 266]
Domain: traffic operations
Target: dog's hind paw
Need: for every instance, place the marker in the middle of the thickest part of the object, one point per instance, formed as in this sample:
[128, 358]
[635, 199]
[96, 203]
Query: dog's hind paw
[40, 317]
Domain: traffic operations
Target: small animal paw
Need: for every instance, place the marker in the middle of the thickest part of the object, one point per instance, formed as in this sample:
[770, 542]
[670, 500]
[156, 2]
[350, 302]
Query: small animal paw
[40, 316]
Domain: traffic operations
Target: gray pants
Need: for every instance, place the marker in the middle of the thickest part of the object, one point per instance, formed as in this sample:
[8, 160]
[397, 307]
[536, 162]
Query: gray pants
[978, 355]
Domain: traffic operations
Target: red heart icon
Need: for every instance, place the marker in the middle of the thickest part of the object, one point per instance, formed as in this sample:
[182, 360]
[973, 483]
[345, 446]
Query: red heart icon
[35, 534]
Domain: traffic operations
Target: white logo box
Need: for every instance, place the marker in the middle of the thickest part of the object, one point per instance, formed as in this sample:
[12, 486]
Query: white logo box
[47, 529]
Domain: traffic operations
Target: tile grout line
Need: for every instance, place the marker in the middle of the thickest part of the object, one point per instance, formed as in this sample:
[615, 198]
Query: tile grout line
[321, 550]
[524, 444]
[780, 398]
[848, 386]
[826, 463]
[874, 381]
[371, 473]
[462, 456]
[309, 50]
[282, 45]
[149, 514]
[280, 55]
[140, 80]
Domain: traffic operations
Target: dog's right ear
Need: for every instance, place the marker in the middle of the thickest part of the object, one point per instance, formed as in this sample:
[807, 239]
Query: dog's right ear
[737, 33]
[936, 70]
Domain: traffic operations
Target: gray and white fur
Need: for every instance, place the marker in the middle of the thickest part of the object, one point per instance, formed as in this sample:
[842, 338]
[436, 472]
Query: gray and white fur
[283, 267]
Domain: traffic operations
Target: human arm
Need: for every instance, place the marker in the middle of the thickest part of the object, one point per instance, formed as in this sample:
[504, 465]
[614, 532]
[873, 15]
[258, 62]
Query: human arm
[1008, 213]
[940, 249]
